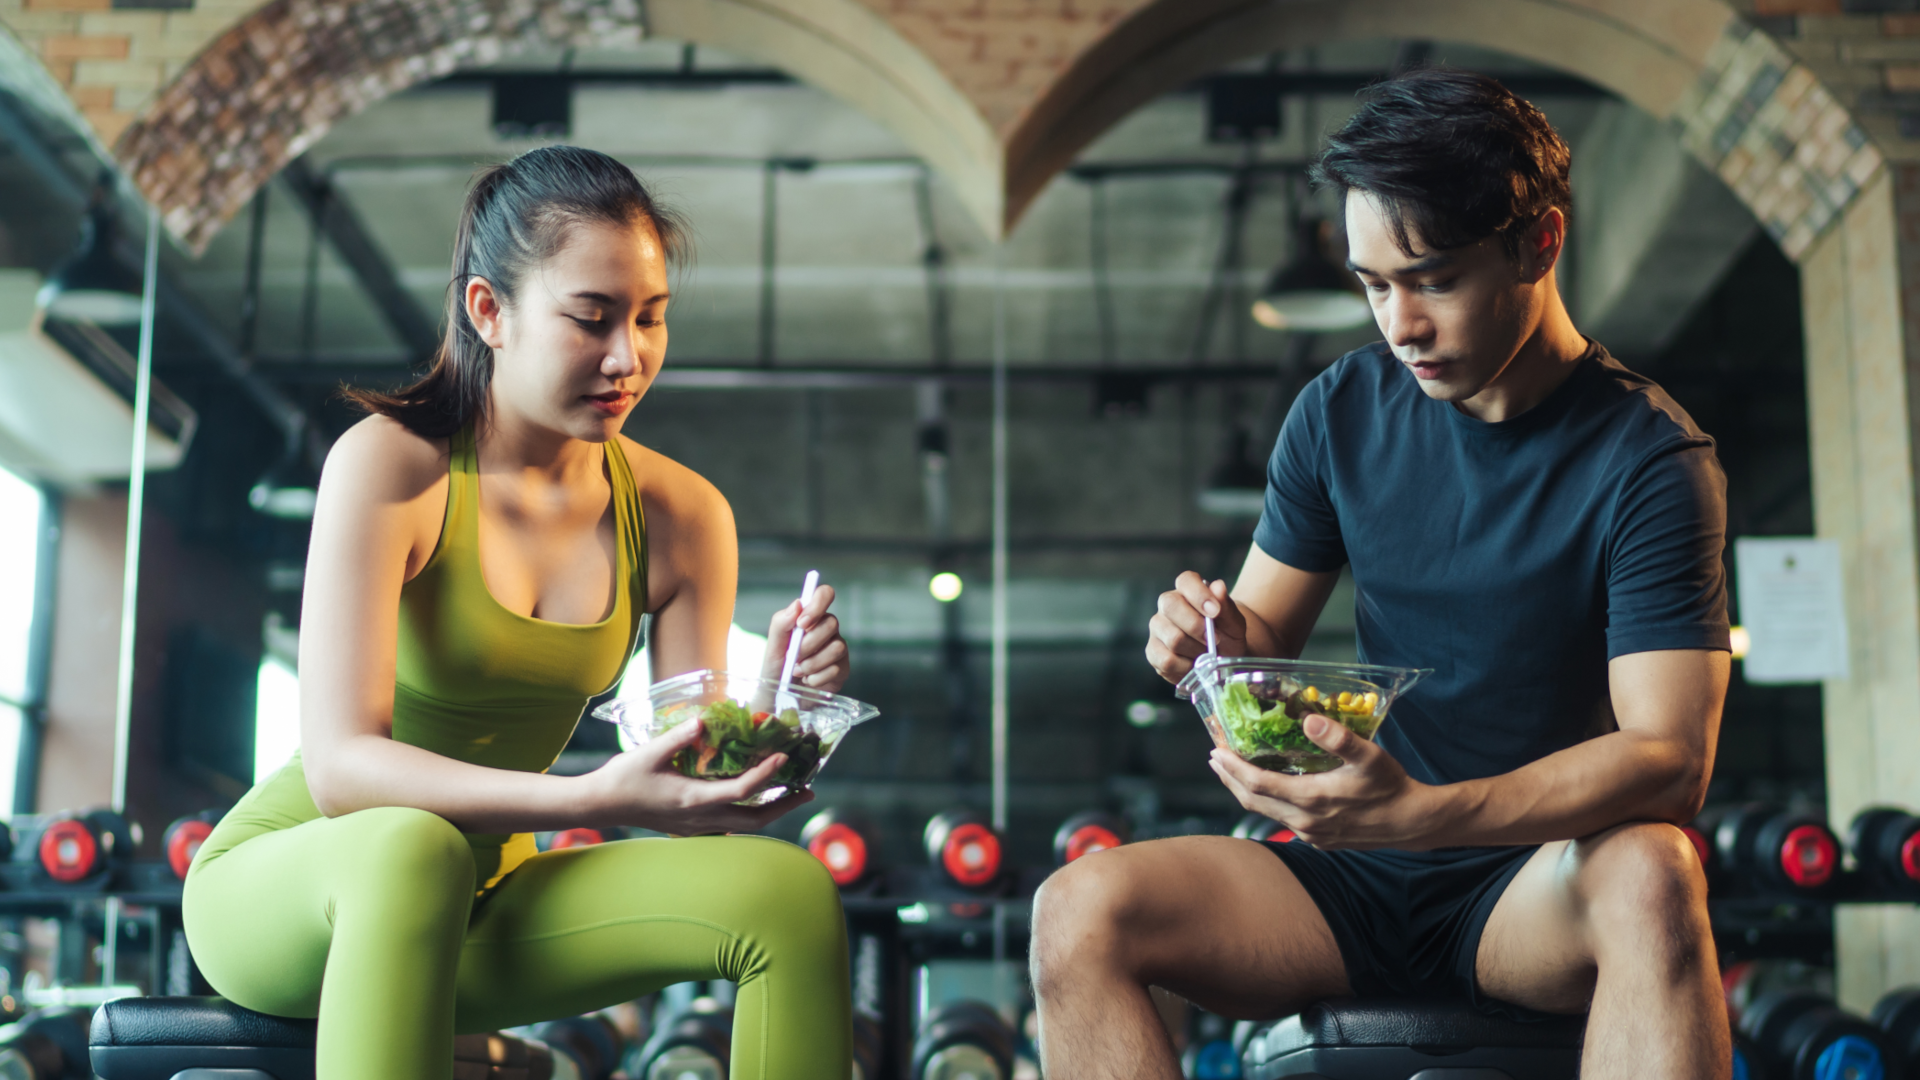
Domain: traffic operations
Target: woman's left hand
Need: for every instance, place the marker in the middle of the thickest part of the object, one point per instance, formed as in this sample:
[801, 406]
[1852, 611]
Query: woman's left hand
[823, 652]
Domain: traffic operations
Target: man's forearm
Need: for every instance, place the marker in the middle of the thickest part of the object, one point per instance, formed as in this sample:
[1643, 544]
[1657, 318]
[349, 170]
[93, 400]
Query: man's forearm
[1618, 777]
[1264, 640]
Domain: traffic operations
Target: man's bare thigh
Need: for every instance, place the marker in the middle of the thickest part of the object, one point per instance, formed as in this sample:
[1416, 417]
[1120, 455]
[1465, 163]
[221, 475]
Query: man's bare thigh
[1223, 923]
[1534, 950]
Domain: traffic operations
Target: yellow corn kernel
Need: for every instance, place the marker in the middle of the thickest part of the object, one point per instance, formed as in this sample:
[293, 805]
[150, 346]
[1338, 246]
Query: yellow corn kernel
[1370, 702]
[1312, 694]
[1345, 700]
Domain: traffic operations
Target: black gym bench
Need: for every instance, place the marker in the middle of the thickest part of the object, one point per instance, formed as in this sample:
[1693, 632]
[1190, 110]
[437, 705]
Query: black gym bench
[1412, 1039]
[182, 1038]
[197, 1038]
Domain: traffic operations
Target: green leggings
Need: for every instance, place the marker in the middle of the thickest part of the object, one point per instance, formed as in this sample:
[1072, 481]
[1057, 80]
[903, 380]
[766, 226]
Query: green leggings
[368, 921]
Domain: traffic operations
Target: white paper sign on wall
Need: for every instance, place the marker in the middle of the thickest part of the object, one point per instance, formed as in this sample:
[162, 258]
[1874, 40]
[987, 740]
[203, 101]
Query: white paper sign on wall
[1790, 602]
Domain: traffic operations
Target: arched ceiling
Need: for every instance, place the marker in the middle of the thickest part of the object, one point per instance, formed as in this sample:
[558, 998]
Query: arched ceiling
[997, 96]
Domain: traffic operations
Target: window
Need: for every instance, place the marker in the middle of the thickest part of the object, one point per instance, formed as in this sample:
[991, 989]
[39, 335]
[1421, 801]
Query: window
[745, 649]
[22, 509]
[276, 717]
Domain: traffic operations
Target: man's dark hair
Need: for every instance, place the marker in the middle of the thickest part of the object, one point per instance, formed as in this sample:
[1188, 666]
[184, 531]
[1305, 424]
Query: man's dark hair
[1452, 156]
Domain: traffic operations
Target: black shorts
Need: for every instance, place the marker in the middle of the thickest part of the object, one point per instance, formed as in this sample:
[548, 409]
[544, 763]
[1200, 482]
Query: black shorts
[1408, 923]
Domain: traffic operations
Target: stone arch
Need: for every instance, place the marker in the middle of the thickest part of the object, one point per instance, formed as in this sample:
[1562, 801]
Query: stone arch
[261, 93]
[1742, 104]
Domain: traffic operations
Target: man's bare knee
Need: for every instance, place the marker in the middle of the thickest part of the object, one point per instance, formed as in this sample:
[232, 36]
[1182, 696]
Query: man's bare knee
[1078, 916]
[1644, 892]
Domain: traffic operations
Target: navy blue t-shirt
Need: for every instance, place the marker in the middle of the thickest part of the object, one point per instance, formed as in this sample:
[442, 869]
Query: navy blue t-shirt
[1515, 559]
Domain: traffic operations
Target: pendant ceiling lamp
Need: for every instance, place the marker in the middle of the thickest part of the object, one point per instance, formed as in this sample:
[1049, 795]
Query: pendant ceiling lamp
[91, 285]
[1309, 292]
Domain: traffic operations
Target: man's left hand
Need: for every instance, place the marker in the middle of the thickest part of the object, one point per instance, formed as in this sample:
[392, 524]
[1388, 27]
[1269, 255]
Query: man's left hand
[1368, 802]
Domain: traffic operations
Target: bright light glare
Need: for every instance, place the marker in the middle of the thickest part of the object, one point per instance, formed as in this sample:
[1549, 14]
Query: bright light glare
[19, 551]
[1741, 641]
[946, 587]
[9, 750]
[276, 718]
[746, 652]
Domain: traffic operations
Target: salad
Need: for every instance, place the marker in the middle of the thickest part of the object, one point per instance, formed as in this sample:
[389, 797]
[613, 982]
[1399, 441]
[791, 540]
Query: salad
[1269, 733]
[733, 739]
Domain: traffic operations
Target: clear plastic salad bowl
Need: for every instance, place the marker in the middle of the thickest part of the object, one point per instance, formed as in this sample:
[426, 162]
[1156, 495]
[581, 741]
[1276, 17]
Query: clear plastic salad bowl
[740, 727]
[1254, 706]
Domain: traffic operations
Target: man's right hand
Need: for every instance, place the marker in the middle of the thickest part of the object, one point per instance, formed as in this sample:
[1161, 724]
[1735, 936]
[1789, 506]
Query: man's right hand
[1177, 635]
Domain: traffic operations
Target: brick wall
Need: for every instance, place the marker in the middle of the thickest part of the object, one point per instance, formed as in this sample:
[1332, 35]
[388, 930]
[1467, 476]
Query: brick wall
[113, 63]
[1003, 54]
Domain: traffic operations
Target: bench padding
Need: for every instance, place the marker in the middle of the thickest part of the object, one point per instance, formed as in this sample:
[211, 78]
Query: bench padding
[152, 1038]
[1392, 1039]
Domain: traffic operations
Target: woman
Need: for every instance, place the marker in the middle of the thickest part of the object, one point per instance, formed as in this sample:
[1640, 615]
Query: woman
[483, 549]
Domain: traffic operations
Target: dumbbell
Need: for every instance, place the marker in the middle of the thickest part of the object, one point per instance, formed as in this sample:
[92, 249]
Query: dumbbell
[964, 850]
[1897, 1015]
[69, 850]
[846, 843]
[1801, 1035]
[963, 1040]
[47, 1045]
[1777, 851]
[593, 1043]
[1748, 1064]
[569, 838]
[1262, 827]
[493, 1055]
[1211, 1059]
[182, 840]
[1886, 844]
[693, 1046]
[1084, 834]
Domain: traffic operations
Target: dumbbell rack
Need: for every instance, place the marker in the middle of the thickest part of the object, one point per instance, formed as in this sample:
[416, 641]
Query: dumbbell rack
[147, 896]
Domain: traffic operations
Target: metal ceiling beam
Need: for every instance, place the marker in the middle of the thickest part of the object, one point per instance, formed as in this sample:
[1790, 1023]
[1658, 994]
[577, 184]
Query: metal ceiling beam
[1544, 84]
[694, 376]
[335, 217]
[174, 306]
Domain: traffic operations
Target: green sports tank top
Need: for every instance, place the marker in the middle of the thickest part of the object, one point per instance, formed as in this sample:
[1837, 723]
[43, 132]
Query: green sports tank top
[474, 681]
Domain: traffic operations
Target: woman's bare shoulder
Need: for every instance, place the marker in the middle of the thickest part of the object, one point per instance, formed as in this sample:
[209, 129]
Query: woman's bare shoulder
[387, 460]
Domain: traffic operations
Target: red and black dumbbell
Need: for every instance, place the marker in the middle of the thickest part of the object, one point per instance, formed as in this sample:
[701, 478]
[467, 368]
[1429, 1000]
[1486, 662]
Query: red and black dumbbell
[1897, 1015]
[1263, 828]
[563, 839]
[1700, 833]
[1801, 1035]
[1083, 834]
[1777, 851]
[965, 850]
[1886, 845]
[73, 850]
[846, 843]
[182, 840]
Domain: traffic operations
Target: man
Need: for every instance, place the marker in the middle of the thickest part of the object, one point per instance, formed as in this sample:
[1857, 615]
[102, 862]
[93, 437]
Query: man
[1544, 529]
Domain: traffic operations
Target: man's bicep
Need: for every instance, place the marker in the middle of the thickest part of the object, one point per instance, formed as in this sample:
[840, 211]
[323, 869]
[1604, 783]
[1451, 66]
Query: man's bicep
[1286, 599]
[1672, 694]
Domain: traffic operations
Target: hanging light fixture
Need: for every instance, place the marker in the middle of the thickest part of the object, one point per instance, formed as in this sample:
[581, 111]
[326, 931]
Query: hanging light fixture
[291, 486]
[1309, 292]
[91, 285]
[1237, 487]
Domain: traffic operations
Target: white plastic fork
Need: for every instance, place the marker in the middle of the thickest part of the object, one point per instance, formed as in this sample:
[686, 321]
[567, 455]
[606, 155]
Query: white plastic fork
[783, 698]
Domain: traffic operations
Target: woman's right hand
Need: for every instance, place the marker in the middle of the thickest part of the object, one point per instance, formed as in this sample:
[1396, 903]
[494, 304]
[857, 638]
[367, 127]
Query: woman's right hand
[641, 787]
